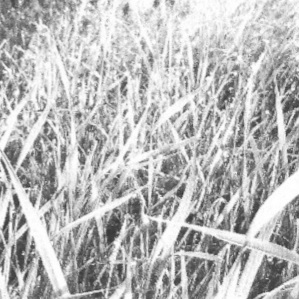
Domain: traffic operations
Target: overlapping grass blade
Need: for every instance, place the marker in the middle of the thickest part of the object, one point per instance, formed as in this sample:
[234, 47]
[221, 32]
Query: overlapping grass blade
[240, 240]
[43, 244]
[99, 212]
[177, 107]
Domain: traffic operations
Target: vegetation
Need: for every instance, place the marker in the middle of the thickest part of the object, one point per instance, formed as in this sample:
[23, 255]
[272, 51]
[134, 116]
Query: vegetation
[149, 151]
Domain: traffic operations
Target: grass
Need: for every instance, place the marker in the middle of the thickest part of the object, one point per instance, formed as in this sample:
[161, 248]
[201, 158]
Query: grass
[149, 151]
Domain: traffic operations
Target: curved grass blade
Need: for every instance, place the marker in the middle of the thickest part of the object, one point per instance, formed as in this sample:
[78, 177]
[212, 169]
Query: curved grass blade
[275, 203]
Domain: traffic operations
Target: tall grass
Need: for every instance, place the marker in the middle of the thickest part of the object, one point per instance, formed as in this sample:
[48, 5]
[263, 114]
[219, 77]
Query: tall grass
[149, 151]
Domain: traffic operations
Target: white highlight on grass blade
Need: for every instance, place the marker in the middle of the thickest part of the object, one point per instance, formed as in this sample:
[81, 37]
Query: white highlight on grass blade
[144, 157]
[199, 255]
[3, 291]
[4, 207]
[33, 134]
[184, 278]
[62, 71]
[177, 107]
[131, 143]
[230, 284]
[12, 118]
[283, 291]
[72, 164]
[39, 233]
[280, 124]
[141, 5]
[275, 203]
[238, 239]
[163, 248]
[119, 292]
[249, 271]
[170, 234]
[99, 212]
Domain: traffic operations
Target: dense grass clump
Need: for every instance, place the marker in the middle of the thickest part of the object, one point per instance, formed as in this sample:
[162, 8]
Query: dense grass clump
[149, 149]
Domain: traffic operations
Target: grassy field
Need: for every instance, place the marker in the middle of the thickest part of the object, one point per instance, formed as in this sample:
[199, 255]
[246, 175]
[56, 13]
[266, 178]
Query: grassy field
[149, 151]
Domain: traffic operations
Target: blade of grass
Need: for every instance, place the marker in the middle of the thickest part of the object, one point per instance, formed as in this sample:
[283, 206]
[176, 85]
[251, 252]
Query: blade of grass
[12, 118]
[228, 287]
[177, 107]
[184, 278]
[33, 135]
[99, 212]
[200, 255]
[3, 290]
[280, 124]
[169, 236]
[248, 275]
[237, 239]
[282, 290]
[118, 293]
[275, 203]
[249, 272]
[3, 207]
[39, 233]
